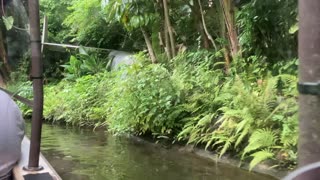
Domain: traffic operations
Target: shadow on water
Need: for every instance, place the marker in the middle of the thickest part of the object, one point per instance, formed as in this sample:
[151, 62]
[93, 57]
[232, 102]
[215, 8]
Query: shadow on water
[86, 155]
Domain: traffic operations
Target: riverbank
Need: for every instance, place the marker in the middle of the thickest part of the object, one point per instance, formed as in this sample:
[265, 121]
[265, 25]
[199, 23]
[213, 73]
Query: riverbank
[251, 116]
[262, 168]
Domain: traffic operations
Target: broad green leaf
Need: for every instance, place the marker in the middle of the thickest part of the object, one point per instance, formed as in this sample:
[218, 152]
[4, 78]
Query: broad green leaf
[293, 29]
[8, 22]
[82, 51]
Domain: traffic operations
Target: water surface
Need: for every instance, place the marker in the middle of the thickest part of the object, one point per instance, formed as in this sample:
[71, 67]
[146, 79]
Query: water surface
[86, 155]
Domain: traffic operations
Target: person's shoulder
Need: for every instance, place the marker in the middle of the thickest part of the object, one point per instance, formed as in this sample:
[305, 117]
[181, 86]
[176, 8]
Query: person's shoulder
[4, 95]
[7, 101]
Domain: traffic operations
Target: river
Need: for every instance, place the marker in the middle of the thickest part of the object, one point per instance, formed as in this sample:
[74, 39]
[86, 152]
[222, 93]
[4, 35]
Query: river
[81, 154]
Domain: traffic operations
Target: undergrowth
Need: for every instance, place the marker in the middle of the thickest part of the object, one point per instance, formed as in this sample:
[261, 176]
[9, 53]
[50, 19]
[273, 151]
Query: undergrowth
[250, 113]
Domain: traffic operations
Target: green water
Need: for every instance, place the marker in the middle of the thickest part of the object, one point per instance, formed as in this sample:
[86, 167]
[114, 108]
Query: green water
[86, 155]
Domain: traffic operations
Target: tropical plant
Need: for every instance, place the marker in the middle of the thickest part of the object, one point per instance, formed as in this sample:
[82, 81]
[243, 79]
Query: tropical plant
[137, 14]
[265, 26]
[144, 101]
[247, 112]
[85, 64]
[78, 102]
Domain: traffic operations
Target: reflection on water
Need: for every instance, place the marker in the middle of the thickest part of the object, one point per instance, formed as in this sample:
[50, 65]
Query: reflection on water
[86, 155]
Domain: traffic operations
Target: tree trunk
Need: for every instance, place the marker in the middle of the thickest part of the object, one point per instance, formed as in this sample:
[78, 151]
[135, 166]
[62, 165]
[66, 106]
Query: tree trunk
[309, 71]
[228, 13]
[163, 34]
[2, 83]
[198, 23]
[169, 28]
[4, 74]
[223, 34]
[3, 54]
[227, 59]
[167, 42]
[149, 46]
[205, 26]
[206, 43]
[156, 40]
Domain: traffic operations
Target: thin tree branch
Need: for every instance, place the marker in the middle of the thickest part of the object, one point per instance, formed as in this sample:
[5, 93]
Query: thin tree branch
[149, 45]
[169, 27]
[205, 26]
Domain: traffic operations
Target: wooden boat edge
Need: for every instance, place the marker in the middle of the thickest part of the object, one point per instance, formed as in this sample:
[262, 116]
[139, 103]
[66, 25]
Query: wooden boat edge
[19, 172]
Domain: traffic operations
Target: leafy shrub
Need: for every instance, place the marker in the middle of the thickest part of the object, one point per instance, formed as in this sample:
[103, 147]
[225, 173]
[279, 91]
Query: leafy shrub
[144, 101]
[85, 64]
[78, 102]
[188, 99]
[23, 89]
[246, 110]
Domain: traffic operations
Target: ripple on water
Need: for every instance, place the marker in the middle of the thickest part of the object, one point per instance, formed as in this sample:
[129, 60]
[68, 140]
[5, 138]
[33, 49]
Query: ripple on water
[83, 154]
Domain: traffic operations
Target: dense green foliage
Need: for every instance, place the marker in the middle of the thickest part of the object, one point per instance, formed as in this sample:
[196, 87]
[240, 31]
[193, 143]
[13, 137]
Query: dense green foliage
[256, 19]
[190, 99]
[246, 107]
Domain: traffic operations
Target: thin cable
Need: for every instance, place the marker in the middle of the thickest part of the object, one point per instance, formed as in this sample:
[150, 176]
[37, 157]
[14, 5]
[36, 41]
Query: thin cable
[21, 29]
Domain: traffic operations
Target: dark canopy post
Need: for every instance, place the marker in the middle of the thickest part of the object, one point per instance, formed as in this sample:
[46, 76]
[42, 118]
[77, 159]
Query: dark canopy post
[36, 76]
[309, 77]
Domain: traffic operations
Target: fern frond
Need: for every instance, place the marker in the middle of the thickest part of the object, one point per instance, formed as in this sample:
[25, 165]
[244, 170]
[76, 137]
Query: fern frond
[269, 90]
[259, 139]
[194, 136]
[213, 137]
[243, 134]
[289, 134]
[260, 156]
[186, 131]
[221, 138]
[246, 121]
[226, 146]
[205, 120]
[288, 79]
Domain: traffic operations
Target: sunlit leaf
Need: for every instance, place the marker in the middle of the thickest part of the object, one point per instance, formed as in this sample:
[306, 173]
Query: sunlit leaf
[8, 22]
[293, 29]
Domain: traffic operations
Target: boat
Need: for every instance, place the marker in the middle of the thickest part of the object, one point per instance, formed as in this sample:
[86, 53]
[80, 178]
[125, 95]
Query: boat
[20, 173]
